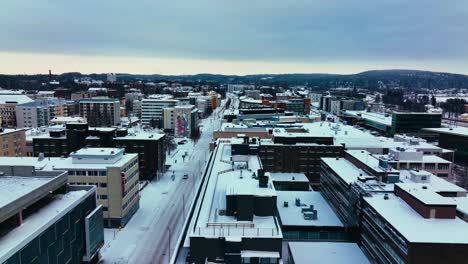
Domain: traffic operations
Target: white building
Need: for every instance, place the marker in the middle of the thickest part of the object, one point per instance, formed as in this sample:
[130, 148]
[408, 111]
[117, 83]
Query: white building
[39, 113]
[111, 77]
[152, 109]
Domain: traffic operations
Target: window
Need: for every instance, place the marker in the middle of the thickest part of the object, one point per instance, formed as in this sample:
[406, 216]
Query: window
[102, 173]
[103, 185]
[443, 166]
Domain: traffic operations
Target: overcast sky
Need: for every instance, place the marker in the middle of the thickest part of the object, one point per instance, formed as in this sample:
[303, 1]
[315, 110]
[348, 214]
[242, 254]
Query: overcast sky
[235, 37]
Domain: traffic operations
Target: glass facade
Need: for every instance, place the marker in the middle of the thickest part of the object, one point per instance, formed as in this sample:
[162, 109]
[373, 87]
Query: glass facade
[62, 242]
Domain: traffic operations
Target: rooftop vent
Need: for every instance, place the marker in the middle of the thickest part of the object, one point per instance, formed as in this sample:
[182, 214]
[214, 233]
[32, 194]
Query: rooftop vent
[386, 196]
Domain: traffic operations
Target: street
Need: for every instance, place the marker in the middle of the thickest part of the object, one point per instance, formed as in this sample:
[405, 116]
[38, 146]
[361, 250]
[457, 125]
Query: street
[163, 205]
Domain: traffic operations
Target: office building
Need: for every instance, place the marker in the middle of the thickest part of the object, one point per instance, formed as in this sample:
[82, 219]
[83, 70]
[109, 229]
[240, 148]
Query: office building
[12, 142]
[100, 112]
[44, 220]
[152, 110]
[111, 170]
[454, 138]
[412, 123]
[235, 221]
[149, 145]
[401, 218]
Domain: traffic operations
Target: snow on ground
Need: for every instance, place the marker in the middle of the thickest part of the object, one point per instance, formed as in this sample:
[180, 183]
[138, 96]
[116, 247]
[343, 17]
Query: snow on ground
[163, 205]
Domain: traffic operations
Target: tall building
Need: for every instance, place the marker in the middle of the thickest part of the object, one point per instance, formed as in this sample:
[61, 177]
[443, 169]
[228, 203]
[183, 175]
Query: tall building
[39, 113]
[12, 142]
[149, 145]
[182, 120]
[152, 110]
[8, 104]
[100, 111]
[44, 220]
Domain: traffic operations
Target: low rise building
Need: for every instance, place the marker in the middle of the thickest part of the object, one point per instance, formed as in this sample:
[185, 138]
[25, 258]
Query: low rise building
[111, 170]
[454, 138]
[235, 220]
[149, 145]
[325, 252]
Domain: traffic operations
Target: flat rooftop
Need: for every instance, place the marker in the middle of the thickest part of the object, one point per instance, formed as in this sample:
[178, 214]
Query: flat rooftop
[97, 151]
[223, 180]
[289, 177]
[416, 228]
[329, 252]
[292, 215]
[374, 117]
[370, 160]
[15, 187]
[425, 196]
[457, 131]
[39, 221]
[344, 169]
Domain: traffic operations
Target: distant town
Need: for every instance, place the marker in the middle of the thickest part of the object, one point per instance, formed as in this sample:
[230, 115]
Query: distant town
[282, 168]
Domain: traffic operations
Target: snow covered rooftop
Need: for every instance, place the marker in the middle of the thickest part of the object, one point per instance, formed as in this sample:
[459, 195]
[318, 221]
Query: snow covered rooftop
[289, 177]
[416, 228]
[292, 215]
[458, 131]
[224, 179]
[15, 187]
[14, 98]
[374, 117]
[425, 196]
[344, 169]
[329, 252]
[35, 224]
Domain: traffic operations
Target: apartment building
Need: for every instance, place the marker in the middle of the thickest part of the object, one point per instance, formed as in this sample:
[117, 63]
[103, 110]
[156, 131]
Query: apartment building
[12, 142]
[182, 120]
[152, 110]
[39, 113]
[8, 104]
[100, 112]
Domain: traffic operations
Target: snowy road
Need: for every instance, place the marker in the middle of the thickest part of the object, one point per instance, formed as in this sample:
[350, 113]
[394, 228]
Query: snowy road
[159, 220]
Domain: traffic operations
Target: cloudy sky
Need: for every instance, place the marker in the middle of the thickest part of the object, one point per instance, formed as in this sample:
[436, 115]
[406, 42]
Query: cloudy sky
[233, 37]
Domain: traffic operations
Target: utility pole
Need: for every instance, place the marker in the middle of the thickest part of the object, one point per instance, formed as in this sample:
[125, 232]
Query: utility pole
[183, 204]
[169, 247]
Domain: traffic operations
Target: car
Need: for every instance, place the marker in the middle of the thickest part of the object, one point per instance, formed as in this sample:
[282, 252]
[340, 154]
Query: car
[185, 177]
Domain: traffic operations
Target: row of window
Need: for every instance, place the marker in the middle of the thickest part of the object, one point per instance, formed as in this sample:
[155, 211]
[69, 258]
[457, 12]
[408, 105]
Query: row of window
[126, 204]
[87, 173]
[99, 185]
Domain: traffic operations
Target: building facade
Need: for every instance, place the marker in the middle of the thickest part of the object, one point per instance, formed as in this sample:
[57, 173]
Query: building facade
[100, 112]
[12, 142]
